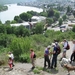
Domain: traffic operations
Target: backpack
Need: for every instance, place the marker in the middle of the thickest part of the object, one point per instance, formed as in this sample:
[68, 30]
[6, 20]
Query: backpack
[68, 46]
[58, 50]
[34, 56]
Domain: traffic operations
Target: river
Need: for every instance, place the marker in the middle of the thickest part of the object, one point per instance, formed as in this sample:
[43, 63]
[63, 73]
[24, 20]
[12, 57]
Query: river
[14, 10]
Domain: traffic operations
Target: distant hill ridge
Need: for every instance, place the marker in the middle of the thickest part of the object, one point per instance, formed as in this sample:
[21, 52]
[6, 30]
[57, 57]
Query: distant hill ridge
[13, 1]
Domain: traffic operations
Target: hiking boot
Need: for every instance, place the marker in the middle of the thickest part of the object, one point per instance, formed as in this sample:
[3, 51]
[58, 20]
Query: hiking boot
[51, 67]
[32, 68]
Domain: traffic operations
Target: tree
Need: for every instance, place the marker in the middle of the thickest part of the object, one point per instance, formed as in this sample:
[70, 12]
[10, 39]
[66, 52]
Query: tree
[2, 29]
[39, 28]
[64, 17]
[25, 16]
[69, 9]
[43, 14]
[73, 28]
[33, 13]
[0, 22]
[18, 19]
[49, 21]
[22, 31]
[50, 13]
[60, 21]
[74, 13]
[57, 15]
[7, 22]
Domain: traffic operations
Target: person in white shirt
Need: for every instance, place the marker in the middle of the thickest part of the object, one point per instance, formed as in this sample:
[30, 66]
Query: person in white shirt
[12, 57]
[64, 48]
[73, 53]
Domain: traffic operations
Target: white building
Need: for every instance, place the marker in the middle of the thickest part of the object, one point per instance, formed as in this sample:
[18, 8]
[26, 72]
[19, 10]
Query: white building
[38, 18]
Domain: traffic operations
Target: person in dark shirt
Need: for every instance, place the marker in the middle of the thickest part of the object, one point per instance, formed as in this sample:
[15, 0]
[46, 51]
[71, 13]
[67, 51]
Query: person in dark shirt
[46, 57]
[55, 54]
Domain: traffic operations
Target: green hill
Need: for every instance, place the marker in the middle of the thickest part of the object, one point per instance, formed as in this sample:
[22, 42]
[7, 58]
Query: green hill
[13, 1]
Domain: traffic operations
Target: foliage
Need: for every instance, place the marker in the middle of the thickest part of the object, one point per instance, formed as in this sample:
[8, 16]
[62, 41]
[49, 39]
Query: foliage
[24, 58]
[50, 13]
[25, 16]
[73, 28]
[22, 31]
[64, 17]
[60, 21]
[2, 28]
[49, 21]
[33, 13]
[7, 22]
[20, 46]
[57, 14]
[3, 8]
[18, 19]
[74, 13]
[43, 14]
[0, 22]
[39, 28]
[36, 71]
[68, 9]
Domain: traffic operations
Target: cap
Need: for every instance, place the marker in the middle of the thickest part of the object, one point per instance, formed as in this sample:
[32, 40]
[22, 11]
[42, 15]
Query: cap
[49, 46]
[56, 43]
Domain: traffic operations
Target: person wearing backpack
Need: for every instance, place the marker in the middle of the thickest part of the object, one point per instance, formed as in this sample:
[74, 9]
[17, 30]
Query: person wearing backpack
[73, 53]
[66, 47]
[55, 54]
[32, 57]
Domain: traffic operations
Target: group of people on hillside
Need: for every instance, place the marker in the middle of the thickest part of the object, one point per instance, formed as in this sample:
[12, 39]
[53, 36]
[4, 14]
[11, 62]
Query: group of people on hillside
[55, 52]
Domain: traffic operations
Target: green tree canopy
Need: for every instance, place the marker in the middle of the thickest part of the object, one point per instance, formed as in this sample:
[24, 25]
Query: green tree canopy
[49, 21]
[50, 13]
[57, 15]
[39, 28]
[25, 16]
[64, 17]
[60, 21]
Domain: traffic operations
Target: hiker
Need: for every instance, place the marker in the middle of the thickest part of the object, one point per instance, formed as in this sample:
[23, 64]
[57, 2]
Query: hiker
[46, 57]
[32, 58]
[10, 63]
[64, 49]
[55, 54]
[12, 57]
[73, 53]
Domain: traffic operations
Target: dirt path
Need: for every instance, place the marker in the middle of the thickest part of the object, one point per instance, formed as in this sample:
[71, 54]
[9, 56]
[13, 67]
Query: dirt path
[25, 68]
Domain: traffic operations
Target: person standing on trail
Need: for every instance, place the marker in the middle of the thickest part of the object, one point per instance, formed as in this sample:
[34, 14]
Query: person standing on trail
[55, 54]
[10, 62]
[64, 48]
[32, 57]
[73, 53]
[12, 57]
[46, 57]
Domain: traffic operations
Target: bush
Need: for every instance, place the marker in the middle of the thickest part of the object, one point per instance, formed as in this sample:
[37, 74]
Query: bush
[24, 58]
[20, 46]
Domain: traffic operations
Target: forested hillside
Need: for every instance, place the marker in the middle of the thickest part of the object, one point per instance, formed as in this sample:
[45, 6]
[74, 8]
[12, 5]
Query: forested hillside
[13, 1]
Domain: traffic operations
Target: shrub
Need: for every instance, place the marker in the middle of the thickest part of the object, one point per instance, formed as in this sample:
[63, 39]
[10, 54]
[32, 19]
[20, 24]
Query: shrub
[20, 46]
[24, 58]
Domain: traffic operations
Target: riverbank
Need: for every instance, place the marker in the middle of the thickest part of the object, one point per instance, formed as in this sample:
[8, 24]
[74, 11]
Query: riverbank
[15, 10]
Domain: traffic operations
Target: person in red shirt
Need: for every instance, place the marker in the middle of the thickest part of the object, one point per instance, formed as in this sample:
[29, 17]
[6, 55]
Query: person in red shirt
[10, 62]
[32, 58]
